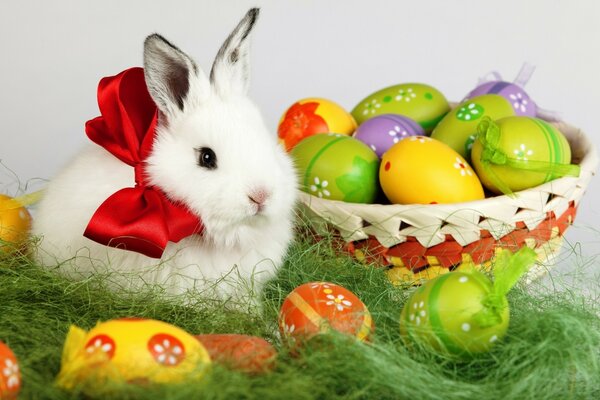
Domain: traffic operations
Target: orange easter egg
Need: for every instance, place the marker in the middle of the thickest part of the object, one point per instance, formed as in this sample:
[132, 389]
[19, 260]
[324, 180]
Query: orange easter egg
[318, 307]
[10, 375]
[244, 353]
[310, 116]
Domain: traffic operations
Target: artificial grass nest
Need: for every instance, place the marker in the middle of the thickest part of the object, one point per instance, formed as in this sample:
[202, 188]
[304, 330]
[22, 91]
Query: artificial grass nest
[552, 349]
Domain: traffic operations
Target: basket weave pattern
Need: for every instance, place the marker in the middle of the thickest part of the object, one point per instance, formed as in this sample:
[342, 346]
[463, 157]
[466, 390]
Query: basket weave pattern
[439, 237]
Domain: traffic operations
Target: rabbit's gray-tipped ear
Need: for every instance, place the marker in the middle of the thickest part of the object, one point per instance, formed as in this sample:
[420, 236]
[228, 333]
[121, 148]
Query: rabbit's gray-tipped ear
[229, 73]
[169, 73]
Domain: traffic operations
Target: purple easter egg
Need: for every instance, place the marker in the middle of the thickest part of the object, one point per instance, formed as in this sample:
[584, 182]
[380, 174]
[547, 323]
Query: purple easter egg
[517, 97]
[383, 131]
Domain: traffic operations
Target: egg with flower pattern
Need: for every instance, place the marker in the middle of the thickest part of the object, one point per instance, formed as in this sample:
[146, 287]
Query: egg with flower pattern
[422, 170]
[10, 374]
[525, 152]
[337, 167]
[444, 314]
[131, 350]
[422, 103]
[458, 129]
[311, 116]
[382, 132]
[318, 307]
[513, 93]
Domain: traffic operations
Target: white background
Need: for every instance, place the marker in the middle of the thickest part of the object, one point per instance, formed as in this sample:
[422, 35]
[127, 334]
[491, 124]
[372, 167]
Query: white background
[52, 54]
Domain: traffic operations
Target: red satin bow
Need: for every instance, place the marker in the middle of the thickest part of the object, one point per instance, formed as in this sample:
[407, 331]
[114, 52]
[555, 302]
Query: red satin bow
[141, 218]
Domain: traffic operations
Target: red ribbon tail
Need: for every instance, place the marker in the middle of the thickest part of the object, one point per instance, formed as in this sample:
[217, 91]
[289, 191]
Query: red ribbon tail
[131, 219]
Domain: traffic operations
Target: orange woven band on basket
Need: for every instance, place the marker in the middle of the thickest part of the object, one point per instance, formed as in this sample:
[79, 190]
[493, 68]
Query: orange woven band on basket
[415, 257]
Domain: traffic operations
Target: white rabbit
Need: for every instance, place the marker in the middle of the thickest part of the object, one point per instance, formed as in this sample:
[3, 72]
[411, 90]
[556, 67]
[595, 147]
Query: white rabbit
[213, 153]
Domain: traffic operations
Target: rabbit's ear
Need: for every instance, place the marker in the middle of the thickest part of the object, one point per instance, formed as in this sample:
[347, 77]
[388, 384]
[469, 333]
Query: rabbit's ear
[170, 75]
[229, 73]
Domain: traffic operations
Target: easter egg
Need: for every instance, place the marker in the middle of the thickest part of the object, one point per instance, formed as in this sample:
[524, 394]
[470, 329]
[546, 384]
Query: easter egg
[443, 315]
[337, 167]
[513, 93]
[15, 222]
[383, 131]
[311, 116]
[10, 374]
[459, 127]
[317, 307]
[131, 350]
[524, 142]
[244, 353]
[423, 103]
[423, 170]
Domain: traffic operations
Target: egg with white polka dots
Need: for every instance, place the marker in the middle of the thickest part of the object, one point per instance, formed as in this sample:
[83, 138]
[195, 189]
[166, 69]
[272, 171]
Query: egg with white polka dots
[131, 350]
[444, 315]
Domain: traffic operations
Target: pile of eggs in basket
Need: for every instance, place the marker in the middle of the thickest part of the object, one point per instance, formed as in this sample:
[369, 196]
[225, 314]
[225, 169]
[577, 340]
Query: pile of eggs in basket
[406, 145]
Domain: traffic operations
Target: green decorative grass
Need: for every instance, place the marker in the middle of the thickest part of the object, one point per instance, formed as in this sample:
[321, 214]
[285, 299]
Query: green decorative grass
[552, 350]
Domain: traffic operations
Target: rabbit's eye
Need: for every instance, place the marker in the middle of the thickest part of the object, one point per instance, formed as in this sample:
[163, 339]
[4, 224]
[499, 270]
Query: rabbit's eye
[207, 158]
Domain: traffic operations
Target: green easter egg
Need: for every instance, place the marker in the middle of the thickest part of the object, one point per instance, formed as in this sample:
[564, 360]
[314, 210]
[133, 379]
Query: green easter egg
[528, 140]
[459, 127]
[337, 167]
[423, 103]
[441, 315]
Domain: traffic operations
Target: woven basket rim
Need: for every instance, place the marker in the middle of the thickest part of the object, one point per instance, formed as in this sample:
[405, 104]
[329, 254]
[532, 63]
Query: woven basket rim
[583, 150]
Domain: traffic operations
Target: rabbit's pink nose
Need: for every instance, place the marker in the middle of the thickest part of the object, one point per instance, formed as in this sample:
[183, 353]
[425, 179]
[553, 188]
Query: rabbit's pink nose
[259, 197]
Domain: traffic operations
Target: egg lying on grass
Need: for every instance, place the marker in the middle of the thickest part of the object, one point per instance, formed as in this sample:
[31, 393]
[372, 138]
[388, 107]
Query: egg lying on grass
[131, 350]
[15, 222]
[464, 313]
[243, 353]
[318, 307]
[10, 374]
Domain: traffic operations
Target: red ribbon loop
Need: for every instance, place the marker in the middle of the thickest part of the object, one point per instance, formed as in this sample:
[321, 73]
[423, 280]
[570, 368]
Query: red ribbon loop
[141, 218]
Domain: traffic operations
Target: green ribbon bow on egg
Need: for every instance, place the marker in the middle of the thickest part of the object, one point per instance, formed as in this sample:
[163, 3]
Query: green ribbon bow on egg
[508, 269]
[465, 312]
[489, 135]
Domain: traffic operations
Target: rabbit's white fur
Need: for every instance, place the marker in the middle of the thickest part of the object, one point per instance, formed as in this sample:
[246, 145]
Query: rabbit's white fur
[243, 244]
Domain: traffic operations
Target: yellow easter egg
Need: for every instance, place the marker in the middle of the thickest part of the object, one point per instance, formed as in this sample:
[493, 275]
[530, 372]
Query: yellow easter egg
[15, 222]
[131, 350]
[312, 116]
[421, 170]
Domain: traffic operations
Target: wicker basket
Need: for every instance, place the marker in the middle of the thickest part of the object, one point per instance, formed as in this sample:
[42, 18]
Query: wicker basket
[419, 242]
